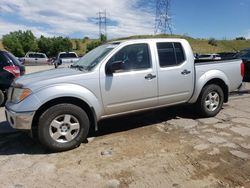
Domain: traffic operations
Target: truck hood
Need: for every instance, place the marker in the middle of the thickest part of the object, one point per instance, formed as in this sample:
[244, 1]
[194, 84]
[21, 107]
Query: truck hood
[44, 76]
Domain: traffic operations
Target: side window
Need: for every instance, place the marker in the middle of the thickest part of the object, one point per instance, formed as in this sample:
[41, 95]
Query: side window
[166, 54]
[180, 57]
[170, 54]
[31, 55]
[134, 57]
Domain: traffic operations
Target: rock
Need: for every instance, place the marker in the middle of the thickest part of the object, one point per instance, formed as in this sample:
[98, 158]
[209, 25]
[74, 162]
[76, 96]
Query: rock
[209, 131]
[91, 139]
[43, 167]
[240, 154]
[230, 145]
[18, 186]
[217, 140]
[245, 145]
[222, 125]
[183, 123]
[243, 131]
[224, 134]
[201, 147]
[241, 120]
[215, 151]
[113, 183]
[106, 153]
[209, 120]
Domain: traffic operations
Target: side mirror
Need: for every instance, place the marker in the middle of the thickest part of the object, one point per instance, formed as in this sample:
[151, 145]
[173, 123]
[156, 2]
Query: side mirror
[114, 66]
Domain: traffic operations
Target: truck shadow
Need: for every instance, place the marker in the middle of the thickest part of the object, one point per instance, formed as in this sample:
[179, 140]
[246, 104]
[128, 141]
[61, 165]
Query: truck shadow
[20, 143]
[142, 119]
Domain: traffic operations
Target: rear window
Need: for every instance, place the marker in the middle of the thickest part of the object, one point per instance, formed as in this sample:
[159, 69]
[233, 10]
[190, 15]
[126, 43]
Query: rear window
[13, 59]
[3, 61]
[204, 56]
[37, 55]
[170, 54]
[68, 55]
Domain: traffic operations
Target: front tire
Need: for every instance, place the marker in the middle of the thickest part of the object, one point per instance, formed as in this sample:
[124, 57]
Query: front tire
[210, 101]
[63, 127]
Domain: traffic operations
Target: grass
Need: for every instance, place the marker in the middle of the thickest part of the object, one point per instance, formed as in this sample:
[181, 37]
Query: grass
[201, 45]
[198, 45]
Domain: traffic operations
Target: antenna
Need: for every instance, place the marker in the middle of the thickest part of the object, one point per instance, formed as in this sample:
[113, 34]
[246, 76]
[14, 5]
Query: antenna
[162, 17]
[102, 22]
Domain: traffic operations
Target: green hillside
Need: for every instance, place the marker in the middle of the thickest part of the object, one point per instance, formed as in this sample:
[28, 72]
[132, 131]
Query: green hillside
[198, 45]
[202, 45]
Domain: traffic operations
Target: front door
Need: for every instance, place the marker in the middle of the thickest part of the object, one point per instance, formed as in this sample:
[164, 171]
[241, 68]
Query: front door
[134, 86]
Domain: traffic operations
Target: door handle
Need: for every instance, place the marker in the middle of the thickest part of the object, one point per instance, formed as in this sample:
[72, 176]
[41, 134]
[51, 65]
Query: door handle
[150, 77]
[185, 72]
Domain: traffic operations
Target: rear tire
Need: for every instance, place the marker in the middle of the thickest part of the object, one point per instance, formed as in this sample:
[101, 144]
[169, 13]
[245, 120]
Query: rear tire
[210, 101]
[63, 127]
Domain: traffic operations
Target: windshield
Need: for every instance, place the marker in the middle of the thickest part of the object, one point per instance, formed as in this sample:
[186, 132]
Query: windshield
[94, 57]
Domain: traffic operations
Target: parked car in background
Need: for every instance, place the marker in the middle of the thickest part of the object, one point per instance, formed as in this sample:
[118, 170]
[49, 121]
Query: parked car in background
[10, 68]
[244, 54]
[209, 57]
[33, 58]
[66, 59]
[227, 55]
[61, 106]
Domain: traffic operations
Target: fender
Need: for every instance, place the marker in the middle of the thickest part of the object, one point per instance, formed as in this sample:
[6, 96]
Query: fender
[46, 94]
[204, 79]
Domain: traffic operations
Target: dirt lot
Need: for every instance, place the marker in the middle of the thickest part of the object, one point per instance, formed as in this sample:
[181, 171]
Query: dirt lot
[164, 148]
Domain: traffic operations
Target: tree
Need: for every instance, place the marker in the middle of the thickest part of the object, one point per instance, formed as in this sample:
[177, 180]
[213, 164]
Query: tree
[52, 46]
[20, 42]
[103, 38]
[92, 45]
[12, 44]
[240, 38]
[212, 42]
[45, 45]
[77, 45]
[28, 41]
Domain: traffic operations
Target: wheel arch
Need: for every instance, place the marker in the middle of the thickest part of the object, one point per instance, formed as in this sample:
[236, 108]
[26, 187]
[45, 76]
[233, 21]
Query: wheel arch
[222, 84]
[70, 100]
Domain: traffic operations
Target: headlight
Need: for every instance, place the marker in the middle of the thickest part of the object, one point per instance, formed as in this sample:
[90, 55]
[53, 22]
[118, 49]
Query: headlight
[20, 94]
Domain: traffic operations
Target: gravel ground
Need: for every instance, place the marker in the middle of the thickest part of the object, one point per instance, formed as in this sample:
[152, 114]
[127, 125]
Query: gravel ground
[164, 148]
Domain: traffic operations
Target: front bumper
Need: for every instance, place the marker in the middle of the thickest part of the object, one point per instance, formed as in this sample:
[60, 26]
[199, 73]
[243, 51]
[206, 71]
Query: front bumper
[19, 120]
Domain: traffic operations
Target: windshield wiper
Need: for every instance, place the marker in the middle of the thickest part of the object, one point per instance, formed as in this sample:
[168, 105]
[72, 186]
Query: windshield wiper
[80, 67]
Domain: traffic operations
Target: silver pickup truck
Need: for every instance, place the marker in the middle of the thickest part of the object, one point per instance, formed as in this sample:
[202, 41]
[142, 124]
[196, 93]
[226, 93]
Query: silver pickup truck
[61, 105]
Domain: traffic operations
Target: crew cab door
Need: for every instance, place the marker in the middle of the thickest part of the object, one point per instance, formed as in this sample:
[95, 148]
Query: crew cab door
[175, 73]
[133, 86]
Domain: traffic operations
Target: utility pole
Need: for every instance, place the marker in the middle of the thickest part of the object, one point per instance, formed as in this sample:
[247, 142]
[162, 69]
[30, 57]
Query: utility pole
[162, 17]
[102, 22]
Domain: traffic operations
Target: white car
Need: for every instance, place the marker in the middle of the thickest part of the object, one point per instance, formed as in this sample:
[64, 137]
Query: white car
[66, 58]
[35, 58]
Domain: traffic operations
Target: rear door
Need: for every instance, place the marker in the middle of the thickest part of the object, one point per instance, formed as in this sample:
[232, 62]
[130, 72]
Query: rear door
[175, 72]
[134, 86]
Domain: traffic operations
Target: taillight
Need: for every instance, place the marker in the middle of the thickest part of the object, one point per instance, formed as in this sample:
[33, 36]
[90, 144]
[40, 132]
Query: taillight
[242, 69]
[13, 70]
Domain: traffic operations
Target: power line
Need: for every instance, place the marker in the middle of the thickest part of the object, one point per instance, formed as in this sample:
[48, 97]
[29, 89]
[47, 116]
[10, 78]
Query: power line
[162, 17]
[102, 22]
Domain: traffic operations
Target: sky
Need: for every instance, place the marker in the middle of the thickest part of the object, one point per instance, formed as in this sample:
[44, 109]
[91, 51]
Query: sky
[220, 19]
